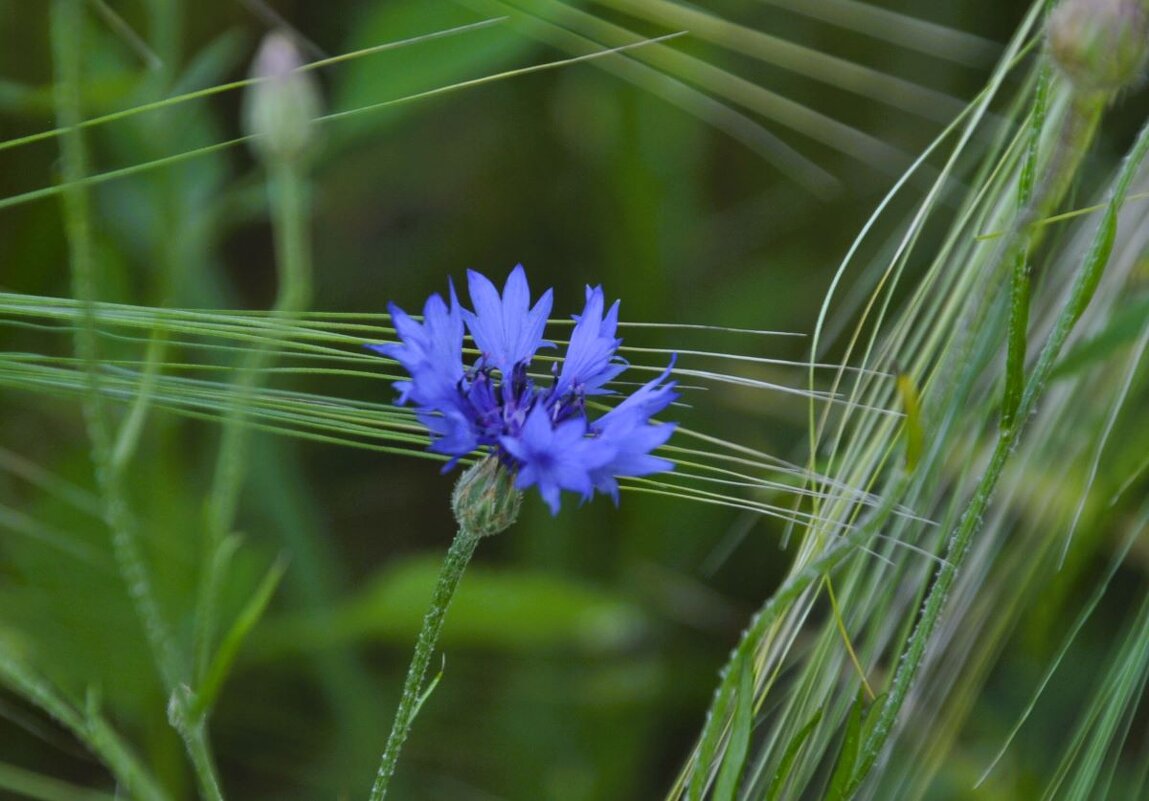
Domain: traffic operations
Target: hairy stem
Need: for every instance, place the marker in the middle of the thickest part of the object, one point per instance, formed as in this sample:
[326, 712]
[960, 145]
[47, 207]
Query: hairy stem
[458, 556]
[66, 29]
[1039, 199]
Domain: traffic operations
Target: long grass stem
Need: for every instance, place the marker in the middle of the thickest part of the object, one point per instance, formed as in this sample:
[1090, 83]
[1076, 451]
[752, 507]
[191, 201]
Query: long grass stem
[968, 525]
[1039, 199]
[67, 21]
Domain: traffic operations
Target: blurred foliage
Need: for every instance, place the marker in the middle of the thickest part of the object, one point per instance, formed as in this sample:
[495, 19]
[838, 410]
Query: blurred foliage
[583, 650]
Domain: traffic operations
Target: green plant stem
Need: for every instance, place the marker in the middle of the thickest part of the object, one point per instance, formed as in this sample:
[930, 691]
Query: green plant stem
[287, 190]
[458, 556]
[67, 20]
[970, 522]
[1039, 199]
[66, 29]
[86, 724]
[288, 195]
[1016, 246]
[199, 750]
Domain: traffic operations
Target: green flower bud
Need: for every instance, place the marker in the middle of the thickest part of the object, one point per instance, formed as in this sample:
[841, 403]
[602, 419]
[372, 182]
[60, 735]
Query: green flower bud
[1100, 45]
[485, 500]
[279, 110]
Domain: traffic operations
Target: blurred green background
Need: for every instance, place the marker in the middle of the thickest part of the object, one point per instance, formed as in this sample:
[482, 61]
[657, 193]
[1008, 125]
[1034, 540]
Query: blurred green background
[582, 651]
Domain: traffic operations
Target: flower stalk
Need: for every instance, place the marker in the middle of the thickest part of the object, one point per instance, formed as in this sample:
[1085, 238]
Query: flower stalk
[485, 503]
[280, 113]
[531, 434]
[67, 19]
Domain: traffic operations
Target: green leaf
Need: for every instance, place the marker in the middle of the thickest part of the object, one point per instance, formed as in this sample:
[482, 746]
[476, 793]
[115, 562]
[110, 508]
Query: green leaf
[778, 783]
[1119, 330]
[848, 755]
[708, 748]
[431, 685]
[739, 744]
[228, 649]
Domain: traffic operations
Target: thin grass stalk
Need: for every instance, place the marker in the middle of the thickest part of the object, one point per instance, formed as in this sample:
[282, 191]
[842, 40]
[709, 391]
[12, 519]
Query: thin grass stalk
[696, 774]
[94, 179]
[970, 523]
[1004, 572]
[867, 472]
[739, 91]
[559, 30]
[1109, 713]
[1083, 617]
[810, 62]
[1039, 198]
[873, 457]
[209, 91]
[897, 28]
[923, 349]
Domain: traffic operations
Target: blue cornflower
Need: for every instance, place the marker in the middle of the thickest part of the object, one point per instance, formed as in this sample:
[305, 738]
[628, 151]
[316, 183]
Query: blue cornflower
[542, 434]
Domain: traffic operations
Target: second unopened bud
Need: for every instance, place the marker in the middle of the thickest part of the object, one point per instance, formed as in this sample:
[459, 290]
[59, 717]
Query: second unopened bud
[280, 110]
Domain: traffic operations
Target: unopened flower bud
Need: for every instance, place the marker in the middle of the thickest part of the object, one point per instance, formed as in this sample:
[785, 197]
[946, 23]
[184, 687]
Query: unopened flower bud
[1101, 45]
[485, 500]
[281, 108]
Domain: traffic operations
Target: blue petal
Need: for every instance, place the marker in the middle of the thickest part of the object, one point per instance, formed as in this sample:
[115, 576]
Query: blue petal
[543, 435]
[555, 457]
[432, 353]
[451, 431]
[591, 359]
[505, 329]
[628, 431]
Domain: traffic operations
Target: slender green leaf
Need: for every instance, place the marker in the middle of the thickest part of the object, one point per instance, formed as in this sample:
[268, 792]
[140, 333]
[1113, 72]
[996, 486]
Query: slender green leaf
[734, 757]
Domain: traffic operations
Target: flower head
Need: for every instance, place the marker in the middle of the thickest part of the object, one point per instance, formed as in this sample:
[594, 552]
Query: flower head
[541, 434]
